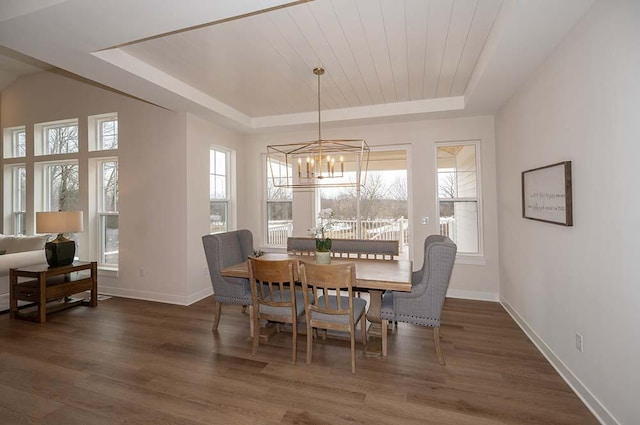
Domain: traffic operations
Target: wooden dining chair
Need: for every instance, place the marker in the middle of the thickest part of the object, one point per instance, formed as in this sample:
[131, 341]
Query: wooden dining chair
[274, 297]
[325, 306]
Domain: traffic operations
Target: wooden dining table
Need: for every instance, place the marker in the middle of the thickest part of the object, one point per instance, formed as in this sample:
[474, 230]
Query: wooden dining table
[373, 275]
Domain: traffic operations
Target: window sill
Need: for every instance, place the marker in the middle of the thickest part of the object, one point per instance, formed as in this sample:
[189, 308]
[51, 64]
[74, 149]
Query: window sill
[107, 271]
[471, 260]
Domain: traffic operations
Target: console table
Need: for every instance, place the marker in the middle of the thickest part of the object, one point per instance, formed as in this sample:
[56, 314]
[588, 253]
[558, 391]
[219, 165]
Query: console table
[41, 283]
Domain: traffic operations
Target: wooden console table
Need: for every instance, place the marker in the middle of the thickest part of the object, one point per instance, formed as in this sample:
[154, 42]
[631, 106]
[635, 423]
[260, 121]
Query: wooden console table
[46, 283]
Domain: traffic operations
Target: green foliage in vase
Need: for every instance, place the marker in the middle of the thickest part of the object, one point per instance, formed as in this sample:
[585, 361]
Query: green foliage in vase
[325, 222]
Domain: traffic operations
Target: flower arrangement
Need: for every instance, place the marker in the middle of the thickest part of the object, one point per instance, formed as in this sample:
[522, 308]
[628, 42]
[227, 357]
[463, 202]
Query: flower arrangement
[325, 217]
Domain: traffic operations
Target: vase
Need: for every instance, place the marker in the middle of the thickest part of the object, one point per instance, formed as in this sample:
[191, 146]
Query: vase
[323, 257]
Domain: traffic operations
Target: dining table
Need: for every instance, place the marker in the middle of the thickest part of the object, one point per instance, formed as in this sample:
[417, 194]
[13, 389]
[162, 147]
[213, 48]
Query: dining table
[372, 275]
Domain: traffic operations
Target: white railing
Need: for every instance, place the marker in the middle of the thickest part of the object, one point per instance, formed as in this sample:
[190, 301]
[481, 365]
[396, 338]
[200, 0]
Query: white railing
[279, 231]
[382, 229]
[447, 227]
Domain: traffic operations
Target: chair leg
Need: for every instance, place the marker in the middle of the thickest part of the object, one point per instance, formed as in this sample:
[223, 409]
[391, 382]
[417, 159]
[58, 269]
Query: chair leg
[294, 335]
[385, 331]
[353, 349]
[256, 330]
[244, 308]
[436, 342]
[217, 309]
[309, 341]
[363, 330]
[252, 325]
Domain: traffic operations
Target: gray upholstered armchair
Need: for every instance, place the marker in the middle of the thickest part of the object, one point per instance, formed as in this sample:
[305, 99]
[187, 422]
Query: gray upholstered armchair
[423, 305]
[223, 250]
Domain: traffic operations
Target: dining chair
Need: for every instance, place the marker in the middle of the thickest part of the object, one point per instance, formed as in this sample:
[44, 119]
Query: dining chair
[223, 250]
[325, 306]
[423, 305]
[274, 297]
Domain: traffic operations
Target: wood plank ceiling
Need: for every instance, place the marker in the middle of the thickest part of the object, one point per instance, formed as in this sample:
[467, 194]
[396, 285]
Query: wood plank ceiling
[374, 52]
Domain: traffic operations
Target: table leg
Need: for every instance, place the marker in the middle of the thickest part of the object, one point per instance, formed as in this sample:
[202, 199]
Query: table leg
[374, 336]
[13, 301]
[42, 302]
[94, 284]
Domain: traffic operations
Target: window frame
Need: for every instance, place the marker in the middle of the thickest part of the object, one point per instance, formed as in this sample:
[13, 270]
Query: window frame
[11, 142]
[226, 201]
[17, 215]
[96, 137]
[40, 145]
[101, 213]
[267, 201]
[46, 187]
[360, 222]
[468, 257]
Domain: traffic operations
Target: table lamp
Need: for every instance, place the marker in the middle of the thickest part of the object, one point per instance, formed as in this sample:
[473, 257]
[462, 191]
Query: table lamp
[62, 250]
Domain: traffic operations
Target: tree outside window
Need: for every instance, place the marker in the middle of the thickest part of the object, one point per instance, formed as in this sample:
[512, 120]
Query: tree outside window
[61, 139]
[108, 214]
[63, 186]
[19, 143]
[108, 133]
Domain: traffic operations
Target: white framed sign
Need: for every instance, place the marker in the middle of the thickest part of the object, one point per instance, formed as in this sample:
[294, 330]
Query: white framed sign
[546, 194]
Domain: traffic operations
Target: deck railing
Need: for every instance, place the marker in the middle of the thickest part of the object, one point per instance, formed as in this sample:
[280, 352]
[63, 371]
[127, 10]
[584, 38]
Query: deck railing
[381, 229]
[279, 231]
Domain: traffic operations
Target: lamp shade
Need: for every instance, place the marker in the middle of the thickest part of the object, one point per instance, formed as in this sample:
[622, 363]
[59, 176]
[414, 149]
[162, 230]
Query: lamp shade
[59, 222]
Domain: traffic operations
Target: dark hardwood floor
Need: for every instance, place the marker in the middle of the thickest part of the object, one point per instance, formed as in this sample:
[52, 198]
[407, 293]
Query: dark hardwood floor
[137, 362]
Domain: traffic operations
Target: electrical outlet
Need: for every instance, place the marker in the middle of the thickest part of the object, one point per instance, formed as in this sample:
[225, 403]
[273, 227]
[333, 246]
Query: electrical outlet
[579, 342]
[141, 272]
[424, 220]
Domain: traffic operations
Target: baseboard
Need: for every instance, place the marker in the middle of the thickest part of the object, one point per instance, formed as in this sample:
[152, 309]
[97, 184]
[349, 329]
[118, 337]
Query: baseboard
[200, 295]
[593, 404]
[4, 303]
[143, 295]
[472, 295]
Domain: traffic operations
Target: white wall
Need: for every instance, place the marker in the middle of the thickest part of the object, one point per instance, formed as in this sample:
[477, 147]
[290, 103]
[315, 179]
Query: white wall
[163, 172]
[201, 136]
[582, 105]
[474, 281]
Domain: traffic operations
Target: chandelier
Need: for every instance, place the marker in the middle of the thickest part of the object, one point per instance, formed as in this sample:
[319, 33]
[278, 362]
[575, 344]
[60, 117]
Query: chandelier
[319, 163]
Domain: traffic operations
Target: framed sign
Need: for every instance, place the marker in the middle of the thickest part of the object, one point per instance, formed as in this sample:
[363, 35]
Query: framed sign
[546, 194]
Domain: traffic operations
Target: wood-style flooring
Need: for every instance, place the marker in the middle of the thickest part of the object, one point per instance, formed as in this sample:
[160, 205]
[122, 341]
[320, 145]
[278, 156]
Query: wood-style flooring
[138, 362]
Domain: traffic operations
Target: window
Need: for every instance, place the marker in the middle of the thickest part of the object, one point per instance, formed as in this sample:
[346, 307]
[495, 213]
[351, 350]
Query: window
[459, 195]
[19, 204]
[61, 186]
[108, 231]
[15, 142]
[380, 209]
[67, 177]
[103, 132]
[279, 205]
[57, 138]
[218, 190]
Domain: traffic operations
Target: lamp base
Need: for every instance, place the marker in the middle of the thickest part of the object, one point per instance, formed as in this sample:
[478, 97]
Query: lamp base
[60, 251]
